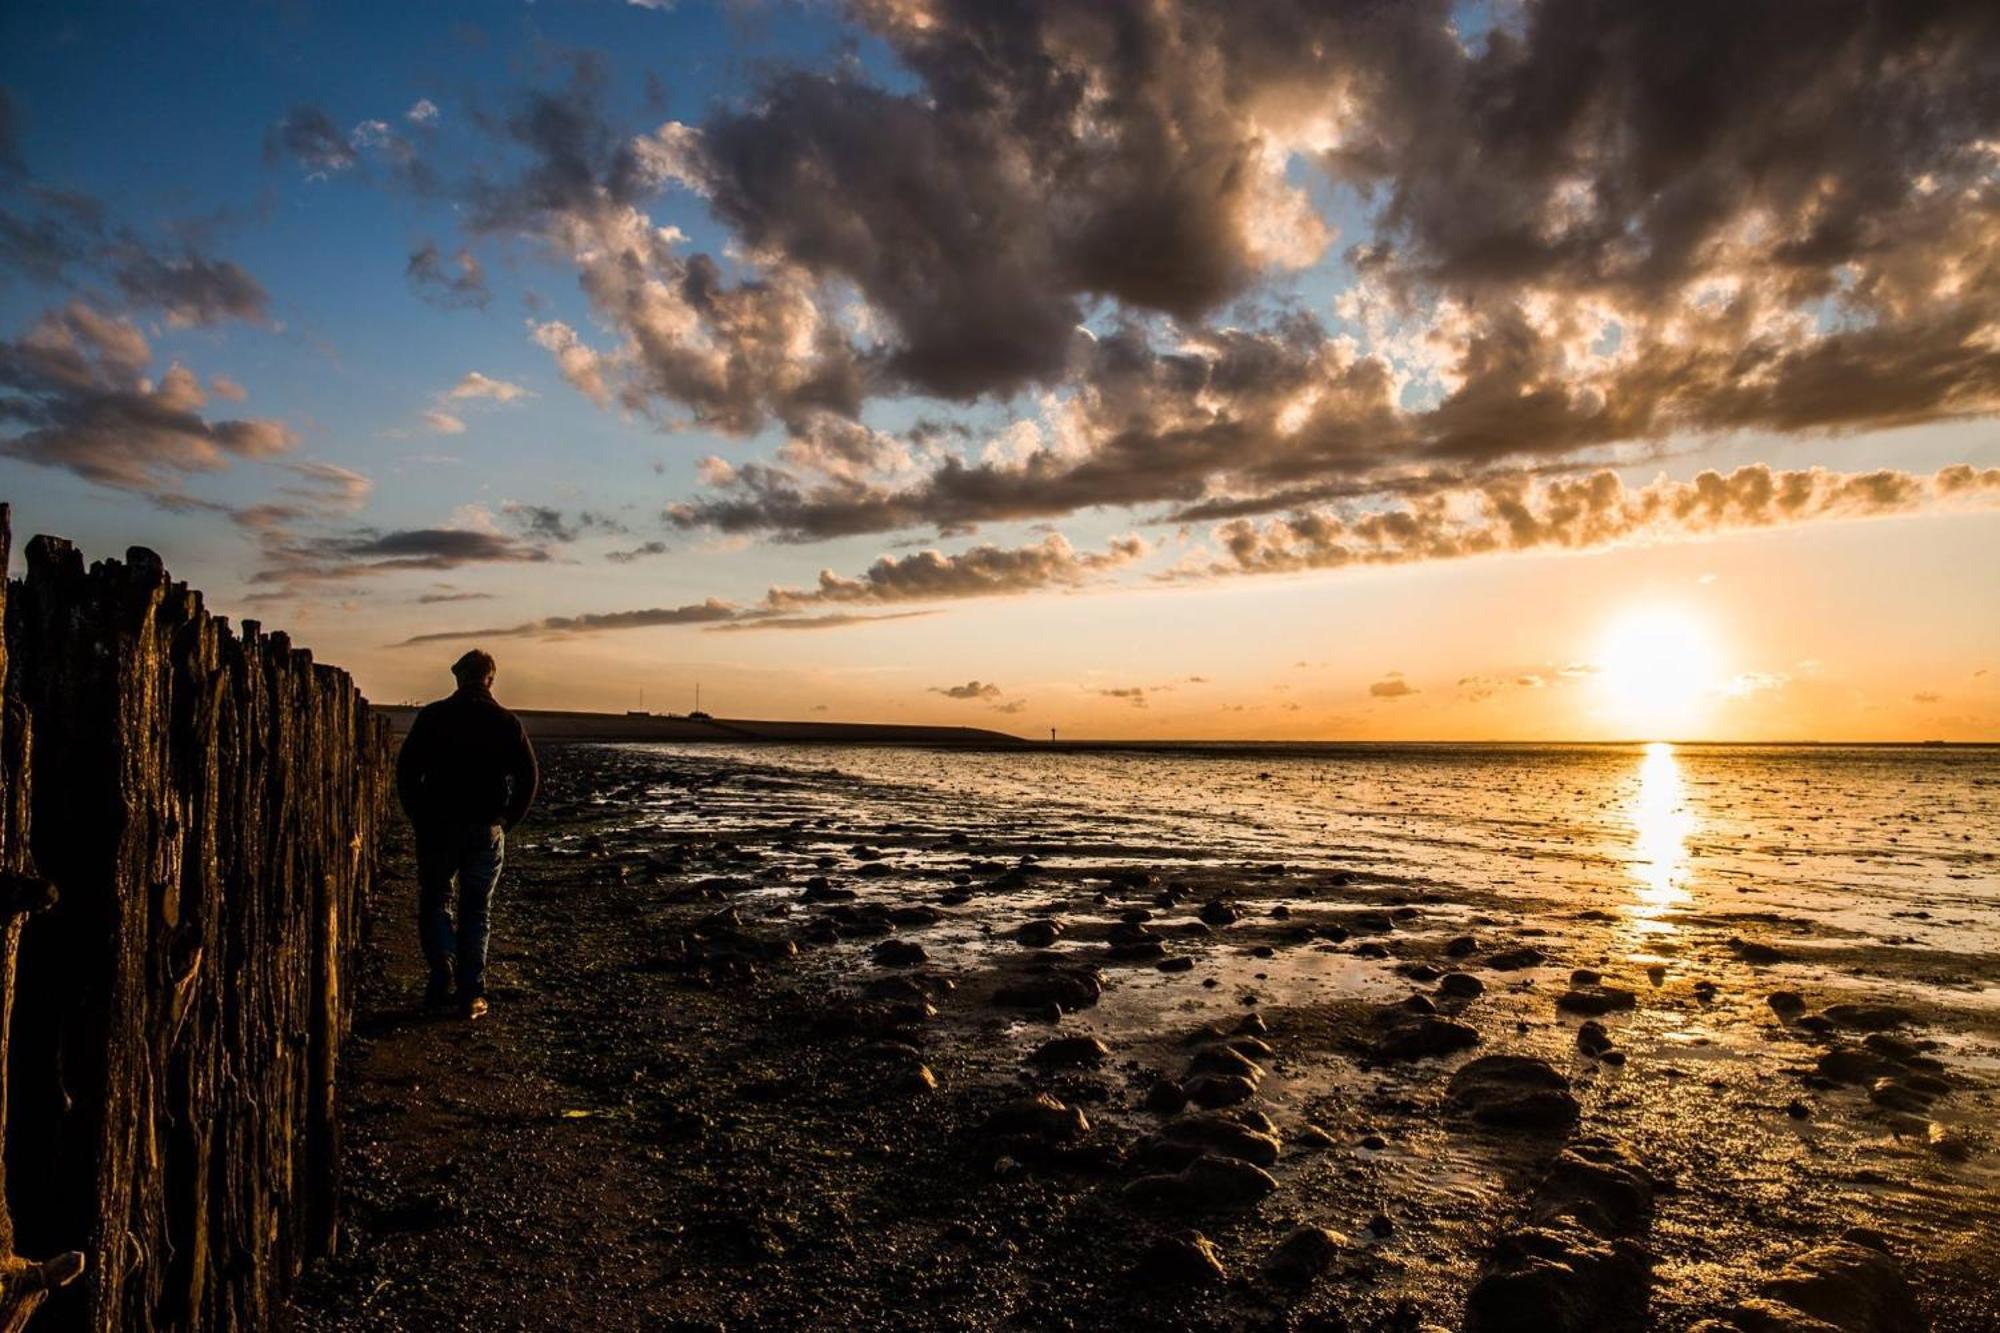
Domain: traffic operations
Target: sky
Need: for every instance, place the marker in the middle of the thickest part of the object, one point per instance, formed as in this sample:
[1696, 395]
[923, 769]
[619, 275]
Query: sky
[1246, 369]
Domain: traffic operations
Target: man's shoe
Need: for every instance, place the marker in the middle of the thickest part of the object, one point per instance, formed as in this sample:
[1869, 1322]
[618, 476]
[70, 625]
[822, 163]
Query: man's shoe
[473, 1008]
[437, 995]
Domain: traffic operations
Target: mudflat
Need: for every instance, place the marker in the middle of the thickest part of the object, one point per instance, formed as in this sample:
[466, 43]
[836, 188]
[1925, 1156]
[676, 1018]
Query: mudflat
[798, 1039]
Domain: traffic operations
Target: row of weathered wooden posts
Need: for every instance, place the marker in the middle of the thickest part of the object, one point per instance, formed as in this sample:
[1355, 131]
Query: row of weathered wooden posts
[188, 829]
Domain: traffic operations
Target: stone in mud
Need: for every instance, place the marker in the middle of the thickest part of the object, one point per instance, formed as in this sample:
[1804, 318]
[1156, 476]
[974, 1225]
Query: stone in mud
[1901, 1050]
[1078, 1052]
[1893, 1094]
[1139, 951]
[1596, 999]
[1786, 1004]
[1222, 1059]
[1868, 1017]
[1165, 1097]
[1042, 1118]
[1304, 1255]
[1755, 952]
[1461, 986]
[1514, 960]
[1557, 1279]
[1419, 1004]
[917, 915]
[1851, 1287]
[1592, 1039]
[1038, 934]
[1130, 932]
[1512, 1092]
[899, 953]
[1597, 1183]
[1460, 946]
[1224, 1135]
[1216, 912]
[1947, 1142]
[1180, 964]
[1408, 1036]
[1852, 1064]
[1214, 1090]
[1311, 1138]
[1188, 1259]
[1207, 1183]
[1065, 988]
[1370, 950]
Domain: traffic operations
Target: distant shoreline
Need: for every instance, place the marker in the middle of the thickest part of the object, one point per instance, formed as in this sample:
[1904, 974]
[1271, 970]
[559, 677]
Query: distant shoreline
[569, 724]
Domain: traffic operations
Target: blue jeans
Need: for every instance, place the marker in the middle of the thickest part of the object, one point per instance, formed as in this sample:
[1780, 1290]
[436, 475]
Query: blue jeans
[472, 856]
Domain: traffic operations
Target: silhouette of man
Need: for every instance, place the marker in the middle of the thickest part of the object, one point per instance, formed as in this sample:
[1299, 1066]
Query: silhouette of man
[465, 776]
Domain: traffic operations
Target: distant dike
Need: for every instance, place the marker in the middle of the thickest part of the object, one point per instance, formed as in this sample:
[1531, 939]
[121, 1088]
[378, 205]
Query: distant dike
[556, 725]
[189, 818]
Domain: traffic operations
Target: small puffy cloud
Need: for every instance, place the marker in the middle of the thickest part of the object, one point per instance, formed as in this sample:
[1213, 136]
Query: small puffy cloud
[972, 689]
[1926, 697]
[224, 387]
[983, 571]
[443, 423]
[422, 112]
[476, 385]
[1392, 686]
[1131, 694]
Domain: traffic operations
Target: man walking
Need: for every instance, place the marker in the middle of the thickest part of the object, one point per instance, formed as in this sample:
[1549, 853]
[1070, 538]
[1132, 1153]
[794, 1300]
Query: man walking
[465, 776]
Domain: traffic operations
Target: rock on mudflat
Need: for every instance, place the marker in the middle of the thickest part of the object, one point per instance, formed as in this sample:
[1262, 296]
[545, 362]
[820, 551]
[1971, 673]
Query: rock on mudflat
[1845, 1286]
[900, 953]
[1512, 1092]
[1065, 988]
[1038, 934]
[1226, 1135]
[1188, 1259]
[1868, 1017]
[1404, 1035]
[1596, 999]
[1079, 1052]
[1304, 1255]
[1461, 986]
[1207, 1183]
[1214, 1090]
[1513, 960]
[1041, 1117]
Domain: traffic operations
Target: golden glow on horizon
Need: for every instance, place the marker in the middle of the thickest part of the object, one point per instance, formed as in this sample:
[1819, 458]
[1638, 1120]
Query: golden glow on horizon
[1657, 672]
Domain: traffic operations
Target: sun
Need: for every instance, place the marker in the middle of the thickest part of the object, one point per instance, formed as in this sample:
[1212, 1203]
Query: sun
[1657, 671]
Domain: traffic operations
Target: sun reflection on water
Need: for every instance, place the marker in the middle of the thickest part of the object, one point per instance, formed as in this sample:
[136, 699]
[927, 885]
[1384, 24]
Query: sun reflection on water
[1661, 824]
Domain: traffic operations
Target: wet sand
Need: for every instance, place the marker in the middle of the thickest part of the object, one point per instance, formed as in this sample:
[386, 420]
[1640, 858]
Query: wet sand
[772, 1049]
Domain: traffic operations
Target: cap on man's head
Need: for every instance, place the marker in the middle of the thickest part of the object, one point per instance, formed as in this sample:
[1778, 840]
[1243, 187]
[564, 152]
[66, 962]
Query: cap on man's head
[476, 666]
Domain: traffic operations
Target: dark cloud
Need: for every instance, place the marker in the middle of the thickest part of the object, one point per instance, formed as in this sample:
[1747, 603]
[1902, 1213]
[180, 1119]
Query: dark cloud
[455, 282]
[545, 523]
[1598, 510]
[763, 618]
[1132, 694]
[296, 564]
[1392, 686]
[643, 551]
[192, 290]
[1594, 227]
[972, 689]
[983, 571]
[76, 393]
[309, 137]
[440, 598]
[697, 613]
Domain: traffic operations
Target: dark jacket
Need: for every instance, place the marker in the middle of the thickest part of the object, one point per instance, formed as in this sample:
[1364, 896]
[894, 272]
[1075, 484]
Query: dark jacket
[466, 762]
